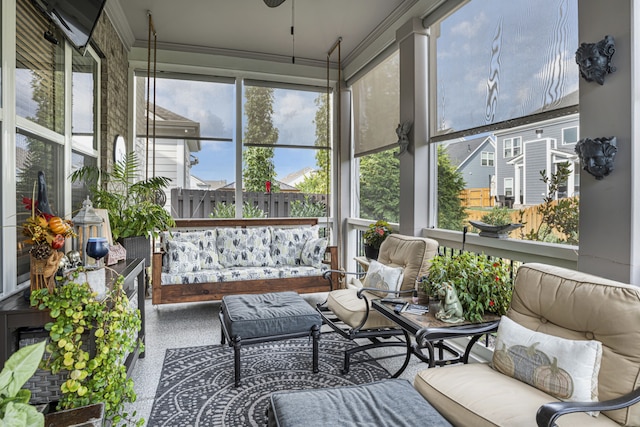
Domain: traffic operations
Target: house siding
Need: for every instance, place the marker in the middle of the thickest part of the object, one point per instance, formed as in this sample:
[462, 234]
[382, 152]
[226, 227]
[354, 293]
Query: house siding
[536, 155]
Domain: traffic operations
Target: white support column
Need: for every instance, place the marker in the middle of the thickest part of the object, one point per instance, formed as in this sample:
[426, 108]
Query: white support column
[414, 163]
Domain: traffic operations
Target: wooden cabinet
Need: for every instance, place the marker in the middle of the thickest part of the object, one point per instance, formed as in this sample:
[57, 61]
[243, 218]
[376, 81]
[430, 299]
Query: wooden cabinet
[16, 314]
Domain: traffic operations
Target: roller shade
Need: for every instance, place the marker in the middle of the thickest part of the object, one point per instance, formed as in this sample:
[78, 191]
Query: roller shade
[376, 107]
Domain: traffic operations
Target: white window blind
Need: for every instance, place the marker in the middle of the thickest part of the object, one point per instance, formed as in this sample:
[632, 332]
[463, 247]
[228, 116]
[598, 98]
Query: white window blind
[39, 70]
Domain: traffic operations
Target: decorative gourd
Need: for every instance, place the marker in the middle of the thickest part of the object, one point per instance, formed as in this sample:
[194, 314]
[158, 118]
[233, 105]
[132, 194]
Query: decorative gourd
[526, 360]
[503, 362]
[553, 380]
[57, 225]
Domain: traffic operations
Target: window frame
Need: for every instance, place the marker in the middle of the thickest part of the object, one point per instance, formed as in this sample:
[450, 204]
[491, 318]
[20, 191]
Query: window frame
[514, 147]
[562, 132]
[487, 158]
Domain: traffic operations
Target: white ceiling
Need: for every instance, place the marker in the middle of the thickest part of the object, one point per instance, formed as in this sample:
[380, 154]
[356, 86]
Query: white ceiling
[252, 29]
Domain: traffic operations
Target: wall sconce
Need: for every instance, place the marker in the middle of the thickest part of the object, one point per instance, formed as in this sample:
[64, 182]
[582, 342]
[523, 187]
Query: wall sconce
[87, 223]
[539, 133]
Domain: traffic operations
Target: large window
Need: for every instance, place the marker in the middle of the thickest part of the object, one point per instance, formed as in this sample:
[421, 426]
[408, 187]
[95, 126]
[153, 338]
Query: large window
[285, 155]
[485, 80]
[39, 70]
[44, 132]
[285, 148]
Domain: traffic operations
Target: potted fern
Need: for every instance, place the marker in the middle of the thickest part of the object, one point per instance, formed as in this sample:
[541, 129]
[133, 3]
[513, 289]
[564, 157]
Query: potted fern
[134, 215]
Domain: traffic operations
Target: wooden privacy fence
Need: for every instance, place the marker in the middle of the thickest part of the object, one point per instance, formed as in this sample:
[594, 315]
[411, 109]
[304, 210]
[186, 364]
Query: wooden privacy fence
[530, 217]
[200, 203]
[476, 198]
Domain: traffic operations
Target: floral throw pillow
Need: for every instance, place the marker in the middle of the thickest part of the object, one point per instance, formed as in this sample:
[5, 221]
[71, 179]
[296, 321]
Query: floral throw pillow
[287, 244]
[313, 252]
[184, 257]
[566, 369]
[383, 277]
[244, 247]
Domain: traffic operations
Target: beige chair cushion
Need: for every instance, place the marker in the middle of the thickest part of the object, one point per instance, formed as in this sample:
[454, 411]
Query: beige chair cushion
[346, 305]
[410, 253]
[555, 301]
[580, 306]
[479, 396]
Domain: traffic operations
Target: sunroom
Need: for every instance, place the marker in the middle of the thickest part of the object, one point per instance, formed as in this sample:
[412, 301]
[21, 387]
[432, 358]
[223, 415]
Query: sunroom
[365, 130]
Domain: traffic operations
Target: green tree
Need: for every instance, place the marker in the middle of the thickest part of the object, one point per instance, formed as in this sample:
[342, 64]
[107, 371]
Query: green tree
[451, 213]
[559, 217]
[380, 186]
[258, 165]
[317, 183]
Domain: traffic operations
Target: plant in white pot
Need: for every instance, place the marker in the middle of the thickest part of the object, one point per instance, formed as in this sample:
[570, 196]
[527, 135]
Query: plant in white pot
[133, 211]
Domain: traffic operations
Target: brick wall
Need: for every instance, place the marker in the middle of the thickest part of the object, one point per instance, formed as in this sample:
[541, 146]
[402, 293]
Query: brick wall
[114, 87]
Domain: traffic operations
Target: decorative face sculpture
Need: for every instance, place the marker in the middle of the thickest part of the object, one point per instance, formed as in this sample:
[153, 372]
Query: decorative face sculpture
[597, 155]
[594, 59]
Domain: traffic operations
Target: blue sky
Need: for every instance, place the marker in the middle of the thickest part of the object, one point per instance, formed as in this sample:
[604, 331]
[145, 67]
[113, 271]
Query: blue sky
[497, 59]
[212, 104]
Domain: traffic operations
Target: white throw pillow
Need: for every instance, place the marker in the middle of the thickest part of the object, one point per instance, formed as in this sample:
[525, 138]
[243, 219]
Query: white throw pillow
[383, 277]
[566, 369]
[313, 252]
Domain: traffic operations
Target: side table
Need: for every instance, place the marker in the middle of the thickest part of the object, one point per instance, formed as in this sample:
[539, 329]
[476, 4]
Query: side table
[430, 333]
[16, 313]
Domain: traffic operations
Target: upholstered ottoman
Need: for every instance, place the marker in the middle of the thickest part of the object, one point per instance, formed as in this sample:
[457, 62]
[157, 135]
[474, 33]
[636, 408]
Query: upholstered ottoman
[392, 402]
[250, 319]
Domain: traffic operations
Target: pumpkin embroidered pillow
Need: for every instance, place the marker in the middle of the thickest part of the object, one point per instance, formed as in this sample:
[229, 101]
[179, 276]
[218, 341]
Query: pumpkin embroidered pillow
[383, 277]
[566, 369]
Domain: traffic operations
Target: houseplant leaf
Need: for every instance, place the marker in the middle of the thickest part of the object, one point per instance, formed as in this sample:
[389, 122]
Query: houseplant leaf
[19, 368]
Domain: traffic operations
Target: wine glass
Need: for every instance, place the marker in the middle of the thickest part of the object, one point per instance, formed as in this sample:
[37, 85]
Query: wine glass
[97, 248]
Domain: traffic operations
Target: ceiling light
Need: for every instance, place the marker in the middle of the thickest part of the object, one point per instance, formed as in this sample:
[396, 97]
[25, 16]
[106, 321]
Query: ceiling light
[273, 3]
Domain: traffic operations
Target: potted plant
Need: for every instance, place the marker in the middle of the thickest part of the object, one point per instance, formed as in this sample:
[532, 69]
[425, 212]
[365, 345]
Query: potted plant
[496, 223]
[374, 236]
[96, 373]
[134, 215]
[483, 285]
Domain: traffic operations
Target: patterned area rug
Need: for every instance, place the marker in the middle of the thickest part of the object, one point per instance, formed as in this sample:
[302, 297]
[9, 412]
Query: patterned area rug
[196, 383]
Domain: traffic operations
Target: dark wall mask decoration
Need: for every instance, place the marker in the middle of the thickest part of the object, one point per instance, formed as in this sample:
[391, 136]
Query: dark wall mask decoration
[594, 59]
[596, 155]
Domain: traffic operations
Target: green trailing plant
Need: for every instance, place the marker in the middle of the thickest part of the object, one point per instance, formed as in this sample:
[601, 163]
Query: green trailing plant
[307, 208]
[483, 285]
[228, 210]
[112, 324]
[131, 203]
[560, 216]
[15, 410]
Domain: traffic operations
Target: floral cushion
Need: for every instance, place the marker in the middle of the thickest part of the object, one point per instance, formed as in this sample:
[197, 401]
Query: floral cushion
[241, 273]
[287, 244]
[313, 252]
[244, 247]
[205, 242]
[566, 369]
[183, 257]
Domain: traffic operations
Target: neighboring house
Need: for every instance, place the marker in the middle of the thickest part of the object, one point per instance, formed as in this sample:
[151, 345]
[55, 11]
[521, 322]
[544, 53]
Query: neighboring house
[523, 152]
[474, 159]
[177, 138]
[295, 178]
